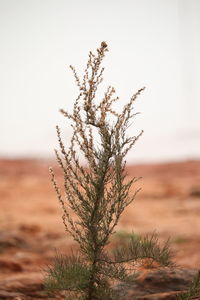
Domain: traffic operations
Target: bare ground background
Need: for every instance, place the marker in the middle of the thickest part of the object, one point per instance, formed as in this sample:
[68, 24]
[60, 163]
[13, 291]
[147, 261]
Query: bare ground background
[31, 226]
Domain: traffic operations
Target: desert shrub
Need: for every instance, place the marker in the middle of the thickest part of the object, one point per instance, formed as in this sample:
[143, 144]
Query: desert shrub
[98, 192]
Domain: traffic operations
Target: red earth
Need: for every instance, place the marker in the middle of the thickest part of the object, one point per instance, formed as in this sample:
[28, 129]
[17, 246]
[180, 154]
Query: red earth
[31, 224]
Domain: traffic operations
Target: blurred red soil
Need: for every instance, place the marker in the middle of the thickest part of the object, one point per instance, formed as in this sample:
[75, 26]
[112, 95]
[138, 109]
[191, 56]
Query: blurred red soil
[31, 224]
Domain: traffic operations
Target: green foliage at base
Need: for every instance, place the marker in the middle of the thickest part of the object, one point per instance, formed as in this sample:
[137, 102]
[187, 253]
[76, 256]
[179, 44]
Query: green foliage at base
[138, 248]
[73, 273]
[67, 273]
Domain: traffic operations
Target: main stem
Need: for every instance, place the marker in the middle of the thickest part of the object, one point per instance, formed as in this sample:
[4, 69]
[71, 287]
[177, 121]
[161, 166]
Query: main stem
[95, 246]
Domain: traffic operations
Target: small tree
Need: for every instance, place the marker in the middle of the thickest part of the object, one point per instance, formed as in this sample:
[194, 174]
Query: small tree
[98, 193]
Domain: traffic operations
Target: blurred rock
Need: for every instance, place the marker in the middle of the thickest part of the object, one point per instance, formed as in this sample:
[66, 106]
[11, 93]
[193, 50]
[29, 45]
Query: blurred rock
[30, 228]
[10, 266]
[27, 285]
[9, 240]
[195, 191]
[11, 295]
[157, 285]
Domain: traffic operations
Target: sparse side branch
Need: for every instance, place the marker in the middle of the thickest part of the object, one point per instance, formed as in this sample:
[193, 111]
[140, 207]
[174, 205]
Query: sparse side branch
[141, 248]
[65, 212]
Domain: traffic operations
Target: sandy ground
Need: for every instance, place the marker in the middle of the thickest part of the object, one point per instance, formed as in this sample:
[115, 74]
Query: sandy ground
[31, 224]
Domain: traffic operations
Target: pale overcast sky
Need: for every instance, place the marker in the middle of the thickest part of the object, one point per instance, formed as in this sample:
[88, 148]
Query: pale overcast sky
[152, 43]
